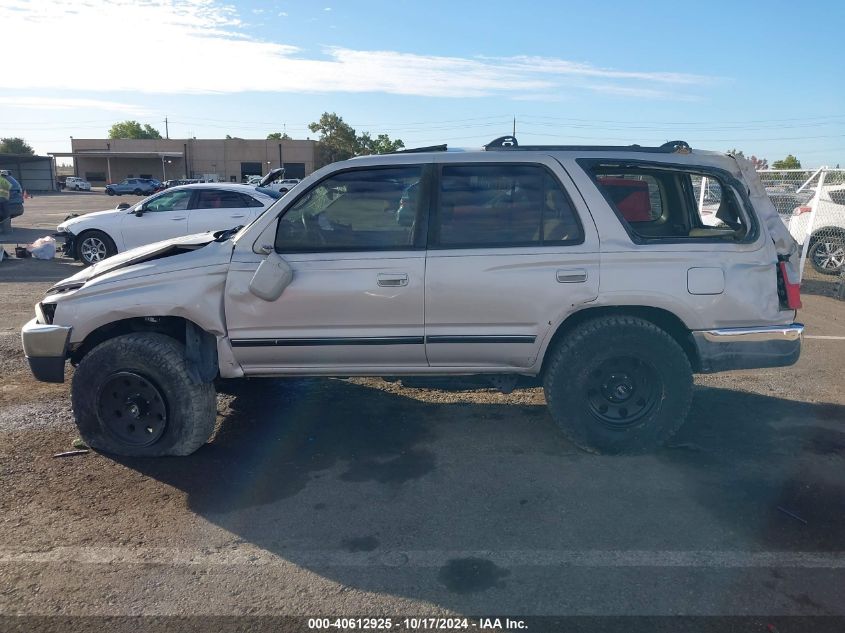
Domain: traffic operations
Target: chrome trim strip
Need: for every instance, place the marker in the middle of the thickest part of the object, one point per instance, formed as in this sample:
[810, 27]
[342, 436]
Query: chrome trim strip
[753, 334]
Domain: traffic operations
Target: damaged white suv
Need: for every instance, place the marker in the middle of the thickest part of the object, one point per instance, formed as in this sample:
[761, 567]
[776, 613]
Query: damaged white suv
[587, 268]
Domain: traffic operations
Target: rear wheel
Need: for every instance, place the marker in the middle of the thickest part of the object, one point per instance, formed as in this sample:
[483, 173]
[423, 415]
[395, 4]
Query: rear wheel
[93, 247]
[827, 254]
[618, 385]
[132, 395]
[138, 192]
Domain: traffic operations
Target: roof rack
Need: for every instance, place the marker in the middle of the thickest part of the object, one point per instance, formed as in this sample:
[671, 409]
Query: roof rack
[509, 143]
[418, 150]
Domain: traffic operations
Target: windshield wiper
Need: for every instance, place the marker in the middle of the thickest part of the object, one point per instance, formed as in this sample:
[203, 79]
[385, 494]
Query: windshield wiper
[222, 236]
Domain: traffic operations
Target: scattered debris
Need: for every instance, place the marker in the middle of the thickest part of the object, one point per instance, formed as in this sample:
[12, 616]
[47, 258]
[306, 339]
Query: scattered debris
[83, 451]
[43, 247]
[794, 516]
[78, 443]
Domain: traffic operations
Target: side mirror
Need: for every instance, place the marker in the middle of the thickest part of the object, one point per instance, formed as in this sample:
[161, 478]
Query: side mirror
[274, 274]
[139, 211]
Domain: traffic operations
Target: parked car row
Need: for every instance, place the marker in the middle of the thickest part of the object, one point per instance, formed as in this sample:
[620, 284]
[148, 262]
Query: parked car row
[134, 186]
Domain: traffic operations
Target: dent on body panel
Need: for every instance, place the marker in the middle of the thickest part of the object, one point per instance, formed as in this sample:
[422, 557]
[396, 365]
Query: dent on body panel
[186, 294]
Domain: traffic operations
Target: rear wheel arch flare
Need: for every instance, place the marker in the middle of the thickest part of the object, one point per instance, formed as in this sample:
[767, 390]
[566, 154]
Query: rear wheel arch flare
[664, 319]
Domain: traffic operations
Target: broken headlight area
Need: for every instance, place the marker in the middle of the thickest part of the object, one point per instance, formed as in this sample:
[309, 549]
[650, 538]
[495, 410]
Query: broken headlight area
[45, 312]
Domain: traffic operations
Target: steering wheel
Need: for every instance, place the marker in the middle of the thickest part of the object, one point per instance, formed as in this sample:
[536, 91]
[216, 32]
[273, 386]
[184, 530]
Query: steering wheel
[312, 227]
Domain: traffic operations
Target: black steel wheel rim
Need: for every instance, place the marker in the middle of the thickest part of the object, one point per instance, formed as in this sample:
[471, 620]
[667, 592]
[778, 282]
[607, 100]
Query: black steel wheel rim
[622, 390]
[132, 409]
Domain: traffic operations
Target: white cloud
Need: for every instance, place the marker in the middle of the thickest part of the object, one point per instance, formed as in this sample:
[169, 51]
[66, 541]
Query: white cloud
[165, 33]
[64, 103]
[283, 14]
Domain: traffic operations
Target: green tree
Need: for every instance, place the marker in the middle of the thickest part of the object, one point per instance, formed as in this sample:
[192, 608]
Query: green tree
[337, 138]
[790, 162]
[382, 144]
[278, 136]
[735, 152]
[15, 145]
[133, 129]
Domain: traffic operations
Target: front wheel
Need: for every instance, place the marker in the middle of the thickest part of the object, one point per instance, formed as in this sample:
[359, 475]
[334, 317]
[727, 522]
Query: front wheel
[827, 254]
[93, 247]
[138, 192]
[618, 385]
[132, 395]
[110, 192]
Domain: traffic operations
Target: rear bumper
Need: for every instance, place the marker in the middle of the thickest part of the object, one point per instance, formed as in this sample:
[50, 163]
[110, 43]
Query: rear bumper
[748, 347]
[45, 347]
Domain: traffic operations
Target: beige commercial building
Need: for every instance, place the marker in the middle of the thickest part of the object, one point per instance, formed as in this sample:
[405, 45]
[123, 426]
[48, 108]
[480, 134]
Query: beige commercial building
[228, 160]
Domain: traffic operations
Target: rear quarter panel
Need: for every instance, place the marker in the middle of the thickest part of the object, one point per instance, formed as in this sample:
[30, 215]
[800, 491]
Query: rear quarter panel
[657, 275]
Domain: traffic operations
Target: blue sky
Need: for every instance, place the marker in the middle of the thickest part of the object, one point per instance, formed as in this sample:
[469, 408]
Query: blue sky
[762, 77]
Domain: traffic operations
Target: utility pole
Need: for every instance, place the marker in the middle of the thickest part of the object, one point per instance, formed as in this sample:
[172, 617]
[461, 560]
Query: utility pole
[166, 129]
[514, 127]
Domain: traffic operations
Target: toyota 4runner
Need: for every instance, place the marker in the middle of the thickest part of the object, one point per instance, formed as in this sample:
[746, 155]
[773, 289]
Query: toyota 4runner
[588, 269]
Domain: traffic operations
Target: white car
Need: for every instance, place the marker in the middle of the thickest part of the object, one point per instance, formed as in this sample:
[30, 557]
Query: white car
[826, 251]
[77, 184]
[276, 181]
[175, 212]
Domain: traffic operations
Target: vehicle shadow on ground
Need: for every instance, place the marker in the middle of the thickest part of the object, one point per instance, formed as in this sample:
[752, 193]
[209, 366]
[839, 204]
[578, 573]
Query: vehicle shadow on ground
[823, 286]
[23, 236]
[331, 465]
[24, 270]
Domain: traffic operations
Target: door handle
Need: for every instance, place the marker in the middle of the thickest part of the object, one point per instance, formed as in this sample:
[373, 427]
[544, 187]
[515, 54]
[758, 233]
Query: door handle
[176, 219]
[571, 275]
[392, 279]
[238, 215]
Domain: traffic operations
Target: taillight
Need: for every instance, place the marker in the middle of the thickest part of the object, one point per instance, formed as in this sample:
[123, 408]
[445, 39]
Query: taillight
[790, 293]
[800, 210]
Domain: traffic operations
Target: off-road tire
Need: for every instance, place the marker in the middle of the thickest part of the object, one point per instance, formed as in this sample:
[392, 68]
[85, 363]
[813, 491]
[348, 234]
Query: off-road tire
[191, 408]
[574, 365]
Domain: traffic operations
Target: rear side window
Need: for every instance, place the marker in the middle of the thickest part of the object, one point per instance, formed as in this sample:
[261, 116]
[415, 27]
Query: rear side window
[249, 201]
[503, 205]
[220, 199]
[655, 203]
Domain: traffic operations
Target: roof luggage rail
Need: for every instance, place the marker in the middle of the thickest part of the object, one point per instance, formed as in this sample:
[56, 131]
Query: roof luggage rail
[509, 143]
[418, 150]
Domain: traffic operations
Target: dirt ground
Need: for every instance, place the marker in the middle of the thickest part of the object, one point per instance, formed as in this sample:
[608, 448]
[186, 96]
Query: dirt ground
[365, 497]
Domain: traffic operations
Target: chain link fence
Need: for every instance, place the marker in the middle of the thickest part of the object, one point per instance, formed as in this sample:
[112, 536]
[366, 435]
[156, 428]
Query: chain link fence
[810, 202]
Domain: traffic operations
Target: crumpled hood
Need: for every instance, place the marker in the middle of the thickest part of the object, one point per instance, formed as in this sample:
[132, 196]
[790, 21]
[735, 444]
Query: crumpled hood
[69, 223]
[134, 256]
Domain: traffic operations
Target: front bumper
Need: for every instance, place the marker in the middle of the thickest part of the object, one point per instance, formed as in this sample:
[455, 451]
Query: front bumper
[69, 248]
[748, 347]
[45, 347]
